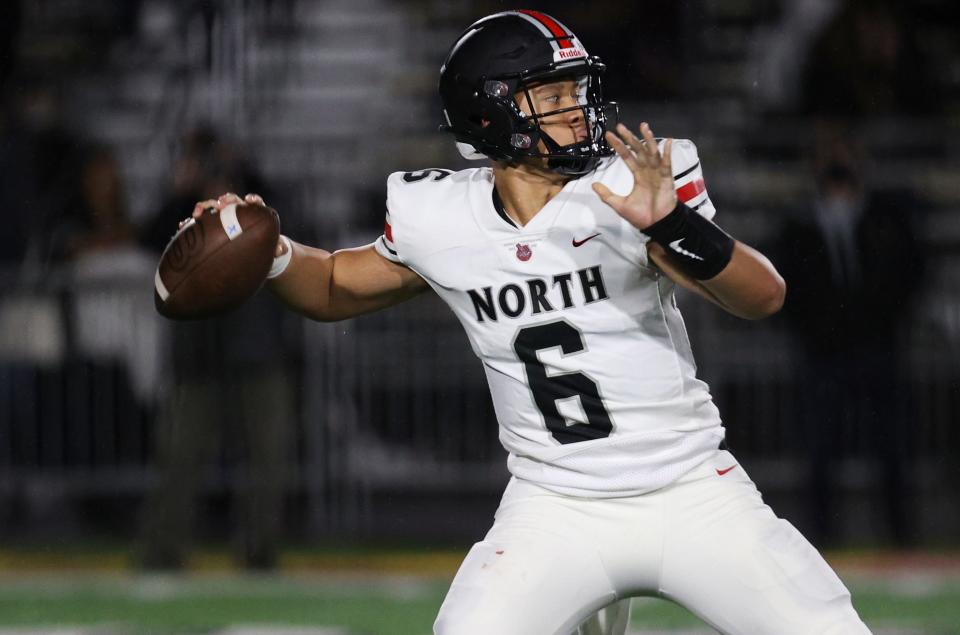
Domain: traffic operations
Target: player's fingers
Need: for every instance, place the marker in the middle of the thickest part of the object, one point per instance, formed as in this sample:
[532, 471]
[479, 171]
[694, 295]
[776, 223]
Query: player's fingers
[184, 222]
[608, 197]
[256, 199]
[627, 138]
[203, 205]
[650, 143]
[228, 199]
[623, 151]
[635, 144]
[665, 166]
[602, 191]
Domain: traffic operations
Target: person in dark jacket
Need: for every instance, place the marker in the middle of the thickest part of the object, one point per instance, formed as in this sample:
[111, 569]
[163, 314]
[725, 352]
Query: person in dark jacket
[232, 382]
[854, 266]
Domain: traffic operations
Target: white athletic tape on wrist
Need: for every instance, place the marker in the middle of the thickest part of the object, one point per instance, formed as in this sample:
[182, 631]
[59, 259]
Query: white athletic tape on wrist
[228, 218]
[280, 262]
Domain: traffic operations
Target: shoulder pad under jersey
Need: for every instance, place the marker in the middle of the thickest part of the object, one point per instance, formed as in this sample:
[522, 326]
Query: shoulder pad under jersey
[410, 195]
[688, 177]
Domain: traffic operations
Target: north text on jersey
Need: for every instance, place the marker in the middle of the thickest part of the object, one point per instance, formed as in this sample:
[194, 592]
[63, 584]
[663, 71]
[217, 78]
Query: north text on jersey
[582, 286]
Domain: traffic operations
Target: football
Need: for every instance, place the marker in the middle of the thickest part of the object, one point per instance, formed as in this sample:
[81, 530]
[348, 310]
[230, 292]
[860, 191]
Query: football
[216, 262]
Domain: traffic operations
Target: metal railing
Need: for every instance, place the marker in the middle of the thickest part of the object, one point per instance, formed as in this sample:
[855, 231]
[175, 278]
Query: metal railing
[393, 401]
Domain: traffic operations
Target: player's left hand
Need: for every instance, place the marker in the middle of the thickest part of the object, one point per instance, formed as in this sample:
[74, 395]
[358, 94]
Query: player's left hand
[230, 199]
[653, 195]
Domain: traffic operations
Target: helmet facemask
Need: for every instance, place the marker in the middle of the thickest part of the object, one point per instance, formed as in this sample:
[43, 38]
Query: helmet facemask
[525, 131]
[579, 157]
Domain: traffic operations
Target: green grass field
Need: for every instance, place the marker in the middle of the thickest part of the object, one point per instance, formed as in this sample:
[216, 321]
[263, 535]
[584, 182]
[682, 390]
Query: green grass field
[374, 594]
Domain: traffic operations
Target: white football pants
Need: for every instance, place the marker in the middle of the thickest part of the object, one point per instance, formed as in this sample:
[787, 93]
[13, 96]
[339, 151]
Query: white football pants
[708, 542]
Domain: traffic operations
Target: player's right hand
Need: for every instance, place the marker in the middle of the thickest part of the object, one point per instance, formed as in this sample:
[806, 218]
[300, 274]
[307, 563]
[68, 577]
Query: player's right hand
[217, 204]
[654, 194]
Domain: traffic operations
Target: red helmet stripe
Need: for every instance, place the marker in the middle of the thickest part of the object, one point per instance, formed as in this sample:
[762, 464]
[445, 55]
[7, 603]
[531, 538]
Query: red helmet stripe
[564, 39]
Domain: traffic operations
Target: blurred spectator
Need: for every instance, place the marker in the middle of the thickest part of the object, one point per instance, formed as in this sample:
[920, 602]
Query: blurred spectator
[854, 267]
[39, 158]
[231, 382]
[88, 394]
[97, 219]
[867, 62]
[113, 323]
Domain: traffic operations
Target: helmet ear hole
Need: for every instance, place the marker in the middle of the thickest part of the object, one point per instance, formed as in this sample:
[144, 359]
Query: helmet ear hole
[495, 131]
[492, 121]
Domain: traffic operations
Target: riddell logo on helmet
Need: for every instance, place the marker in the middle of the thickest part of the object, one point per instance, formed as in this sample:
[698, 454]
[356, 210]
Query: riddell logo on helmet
[561, 55]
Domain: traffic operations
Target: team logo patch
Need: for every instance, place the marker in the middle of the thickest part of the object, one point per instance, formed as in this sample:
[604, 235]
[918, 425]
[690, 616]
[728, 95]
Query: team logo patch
[524, 253]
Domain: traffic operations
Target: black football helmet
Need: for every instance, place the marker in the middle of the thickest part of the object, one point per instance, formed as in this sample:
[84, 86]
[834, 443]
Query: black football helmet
[505, 53]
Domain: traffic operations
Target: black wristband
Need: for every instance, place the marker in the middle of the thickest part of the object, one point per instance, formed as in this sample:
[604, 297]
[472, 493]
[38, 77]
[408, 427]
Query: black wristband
[700, 247]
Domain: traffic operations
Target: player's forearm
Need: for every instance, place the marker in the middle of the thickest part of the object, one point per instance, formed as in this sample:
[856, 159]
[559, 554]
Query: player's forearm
[304, 286]
[328, 287]
[749, 286]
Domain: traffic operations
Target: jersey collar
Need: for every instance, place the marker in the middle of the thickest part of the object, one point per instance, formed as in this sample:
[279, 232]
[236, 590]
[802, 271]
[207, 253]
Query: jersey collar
[501, 211]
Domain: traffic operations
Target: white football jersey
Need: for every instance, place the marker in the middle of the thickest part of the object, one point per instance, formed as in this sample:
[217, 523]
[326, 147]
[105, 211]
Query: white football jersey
[586, 354]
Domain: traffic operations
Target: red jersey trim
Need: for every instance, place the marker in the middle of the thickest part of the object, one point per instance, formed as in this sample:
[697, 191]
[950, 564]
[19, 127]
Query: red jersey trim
[691, 190]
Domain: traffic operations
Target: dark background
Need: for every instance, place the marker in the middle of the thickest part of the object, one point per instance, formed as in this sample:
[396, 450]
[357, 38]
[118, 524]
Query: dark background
[828, 136]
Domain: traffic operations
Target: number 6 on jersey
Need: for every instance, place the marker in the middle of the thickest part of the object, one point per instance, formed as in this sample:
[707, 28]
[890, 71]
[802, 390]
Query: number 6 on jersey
[548, 389]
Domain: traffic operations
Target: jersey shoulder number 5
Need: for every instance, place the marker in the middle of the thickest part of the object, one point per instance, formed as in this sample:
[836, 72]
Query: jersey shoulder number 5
[434, 174]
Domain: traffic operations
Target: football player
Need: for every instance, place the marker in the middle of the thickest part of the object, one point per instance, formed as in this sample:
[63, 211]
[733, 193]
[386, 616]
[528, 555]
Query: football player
[561, 260]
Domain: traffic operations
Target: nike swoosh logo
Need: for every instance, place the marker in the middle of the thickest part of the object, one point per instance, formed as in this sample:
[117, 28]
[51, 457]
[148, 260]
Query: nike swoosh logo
[722, 472]
[675, 245]
[577, 243]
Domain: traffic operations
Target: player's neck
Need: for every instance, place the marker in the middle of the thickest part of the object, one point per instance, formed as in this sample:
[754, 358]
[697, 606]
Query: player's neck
[525, 189]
